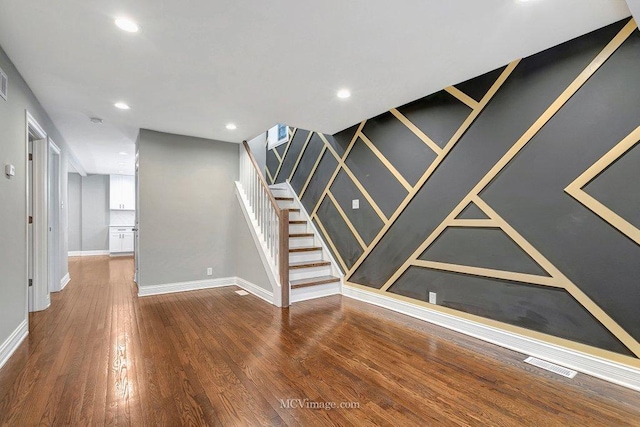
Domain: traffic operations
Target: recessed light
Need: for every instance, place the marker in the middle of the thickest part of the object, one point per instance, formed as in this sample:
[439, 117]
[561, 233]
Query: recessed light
[344, 93]
[95, 120]
[126, 24]
[121, 105]
[120, 164]
[231, 126]
[123, 153]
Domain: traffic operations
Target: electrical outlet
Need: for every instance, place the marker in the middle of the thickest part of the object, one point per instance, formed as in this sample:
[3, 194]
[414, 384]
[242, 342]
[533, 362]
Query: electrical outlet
[355, 204]
[209, 271]
[432, 298]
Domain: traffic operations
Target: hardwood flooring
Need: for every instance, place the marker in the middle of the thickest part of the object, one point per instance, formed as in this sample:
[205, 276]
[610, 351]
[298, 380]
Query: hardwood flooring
[101, 355]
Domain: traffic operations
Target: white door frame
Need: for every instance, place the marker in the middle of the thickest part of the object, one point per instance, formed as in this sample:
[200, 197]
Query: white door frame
[54, 217]
[38, 297]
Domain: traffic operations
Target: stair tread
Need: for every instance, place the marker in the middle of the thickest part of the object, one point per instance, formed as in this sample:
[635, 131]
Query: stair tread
[322, 280]
[294, 209]
[298, 221]
[306, 249]
[308, 264]
[301, 235]
[289, 199]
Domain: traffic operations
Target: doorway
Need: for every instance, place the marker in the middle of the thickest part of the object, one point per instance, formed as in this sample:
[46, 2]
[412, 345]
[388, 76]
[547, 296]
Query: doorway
[37, 221]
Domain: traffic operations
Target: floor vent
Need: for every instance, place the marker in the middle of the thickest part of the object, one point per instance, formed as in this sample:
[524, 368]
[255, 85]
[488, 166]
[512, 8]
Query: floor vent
[4, 84]
[242, 292]
[551, 367]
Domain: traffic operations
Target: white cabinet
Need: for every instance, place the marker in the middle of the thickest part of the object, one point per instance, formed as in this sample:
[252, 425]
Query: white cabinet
[120, 239]
[122, 192]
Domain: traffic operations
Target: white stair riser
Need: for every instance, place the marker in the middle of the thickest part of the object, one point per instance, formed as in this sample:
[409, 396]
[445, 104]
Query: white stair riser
[305, 256]
[285, 204]
[311, 292]
[297, 228]
[301, 242]
[296, 216]
[308, 273]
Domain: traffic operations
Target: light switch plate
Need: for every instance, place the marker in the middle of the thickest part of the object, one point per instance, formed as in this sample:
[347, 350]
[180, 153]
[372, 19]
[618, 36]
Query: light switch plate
[9, 170]
[355, 204]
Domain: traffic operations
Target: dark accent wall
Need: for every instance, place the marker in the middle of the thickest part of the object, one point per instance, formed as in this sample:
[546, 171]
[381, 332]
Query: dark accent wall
[505, 241]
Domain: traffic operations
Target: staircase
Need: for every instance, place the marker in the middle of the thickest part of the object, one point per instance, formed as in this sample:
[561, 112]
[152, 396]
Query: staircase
[312, 274]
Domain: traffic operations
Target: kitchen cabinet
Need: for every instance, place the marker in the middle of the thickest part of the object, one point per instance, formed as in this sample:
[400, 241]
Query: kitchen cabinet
[122, 192]
[120, 239]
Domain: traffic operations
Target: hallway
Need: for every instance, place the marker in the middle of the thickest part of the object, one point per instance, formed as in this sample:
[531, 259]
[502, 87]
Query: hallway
[101, 355]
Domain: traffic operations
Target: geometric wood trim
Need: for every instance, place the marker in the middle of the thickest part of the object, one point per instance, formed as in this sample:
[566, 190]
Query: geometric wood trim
[304, 147]
[416, 130]
[575, 189]
[434, 165]
[386, 162]
[346, 220]
[313, 171]
[461, 96]
[480, 223]
[329, 241]
[489, 272]
[271, 180]
[286, 150]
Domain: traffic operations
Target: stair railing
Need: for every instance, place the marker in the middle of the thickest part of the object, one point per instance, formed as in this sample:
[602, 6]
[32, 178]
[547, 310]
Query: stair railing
[272, 221]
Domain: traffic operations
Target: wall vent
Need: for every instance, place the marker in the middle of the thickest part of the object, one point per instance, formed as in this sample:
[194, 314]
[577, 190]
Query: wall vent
[4, 84]
[551, 367]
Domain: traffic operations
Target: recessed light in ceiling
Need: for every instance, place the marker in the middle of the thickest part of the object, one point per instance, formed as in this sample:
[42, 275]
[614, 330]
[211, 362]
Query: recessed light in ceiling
[344, 94]
[121, 105]
[123, 153]
[126, 24]
[95, 120]
[120, 164]
[231, 126]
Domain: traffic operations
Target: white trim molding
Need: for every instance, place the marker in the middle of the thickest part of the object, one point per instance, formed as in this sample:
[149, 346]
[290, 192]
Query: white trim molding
[255, 290]
[65, 281]
[597, 367]
[89, 253]
[169, 288]
[12, 343]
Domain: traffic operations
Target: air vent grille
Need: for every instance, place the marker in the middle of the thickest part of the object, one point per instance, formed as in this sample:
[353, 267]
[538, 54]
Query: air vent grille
[551, 367]
[4, 84]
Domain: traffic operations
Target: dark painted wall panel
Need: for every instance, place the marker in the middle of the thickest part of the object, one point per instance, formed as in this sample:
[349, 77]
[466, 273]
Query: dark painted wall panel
[472, 211]
[295, 147]
[624, 178]
[548, 310]
[319, 181]
[341, 140]
[406, 152]
[439, 116]
[481, 247]
[340, 234]
[333, 254]
[383, 187]
[533, 86]
[477, 87]
[272, 162]
[529, 193]
[307, 161]
[365, 220]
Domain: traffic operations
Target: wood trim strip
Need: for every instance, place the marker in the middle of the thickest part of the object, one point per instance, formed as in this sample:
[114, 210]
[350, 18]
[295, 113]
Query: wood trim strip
[462, 97]
[386, 162]
[329, 241]
[346, 220]
[490, 272]
[479, 223]
[286, 150]
[416, 131]
[575, 188]
[275, 153]
[313, 171]
[304, 148]
[447, 149]
[266, 169]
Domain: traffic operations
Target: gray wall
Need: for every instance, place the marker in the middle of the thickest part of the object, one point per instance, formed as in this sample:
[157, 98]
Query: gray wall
[88, 212]
[189, 214]
[13, 260]
[75, 212]
[258, 146]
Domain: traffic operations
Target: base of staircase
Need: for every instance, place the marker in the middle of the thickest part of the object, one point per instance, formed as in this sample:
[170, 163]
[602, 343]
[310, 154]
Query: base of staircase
[312, 292]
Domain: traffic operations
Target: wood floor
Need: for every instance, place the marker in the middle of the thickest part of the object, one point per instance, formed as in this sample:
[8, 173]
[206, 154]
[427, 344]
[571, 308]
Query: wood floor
[101, 355]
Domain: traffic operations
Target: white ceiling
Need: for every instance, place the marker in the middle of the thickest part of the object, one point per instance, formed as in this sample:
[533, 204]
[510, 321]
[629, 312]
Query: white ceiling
[197, 65]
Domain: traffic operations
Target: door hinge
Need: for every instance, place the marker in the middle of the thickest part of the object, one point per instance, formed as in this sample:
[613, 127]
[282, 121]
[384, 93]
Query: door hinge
[30, 282]
[30, 156]
[30, 220]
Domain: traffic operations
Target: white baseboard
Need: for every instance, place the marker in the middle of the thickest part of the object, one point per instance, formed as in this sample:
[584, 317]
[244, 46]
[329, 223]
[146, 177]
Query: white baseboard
[604, 369]
[312, 292]
[64, 281]
[255, 290]
[88, 253]
[12, 343]
[168, 288]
